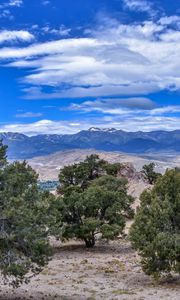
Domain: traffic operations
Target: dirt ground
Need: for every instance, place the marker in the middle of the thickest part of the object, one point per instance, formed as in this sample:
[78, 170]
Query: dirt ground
[109, 271]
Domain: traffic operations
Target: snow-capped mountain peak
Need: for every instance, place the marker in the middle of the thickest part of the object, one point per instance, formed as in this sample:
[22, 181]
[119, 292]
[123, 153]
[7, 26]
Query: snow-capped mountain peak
[102, 129]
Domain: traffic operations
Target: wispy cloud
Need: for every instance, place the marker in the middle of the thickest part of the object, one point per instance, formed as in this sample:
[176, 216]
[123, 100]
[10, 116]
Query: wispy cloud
[140, 6]
[5, 8]
[170, 109]
[129, 107]
[15, 35]
[169, 20]
[135, 123]
[114, 60]
[129, 114]
[45, 2]
[17, 3]
[114, 106]
[62, 30]
[6, 14]
[28, 115]
[11, 3]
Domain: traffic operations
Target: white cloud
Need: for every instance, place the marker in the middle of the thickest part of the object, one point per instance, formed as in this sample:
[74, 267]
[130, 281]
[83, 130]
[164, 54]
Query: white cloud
[114, 106]
[115, 60]
[140, 6]
[60, 31]
[130, 107]
[6, 7]
[43, 126]
[15, 35]
[28, 115]
[5, 13]
[17, 3]
[135, 123]
[11, 3]
[168, 20]
[131, 114]
[166, 110]
[101, 91]
[49, 48]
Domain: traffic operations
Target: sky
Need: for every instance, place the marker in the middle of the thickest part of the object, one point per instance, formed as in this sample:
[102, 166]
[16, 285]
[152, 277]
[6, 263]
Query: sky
[69, 65]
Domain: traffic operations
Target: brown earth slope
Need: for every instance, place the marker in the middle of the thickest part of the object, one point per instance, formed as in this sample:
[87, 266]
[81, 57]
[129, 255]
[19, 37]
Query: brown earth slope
[48, 166]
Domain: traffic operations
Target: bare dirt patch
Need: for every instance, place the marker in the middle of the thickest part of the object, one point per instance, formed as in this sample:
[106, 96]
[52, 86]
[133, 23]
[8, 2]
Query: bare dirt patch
[109, 271]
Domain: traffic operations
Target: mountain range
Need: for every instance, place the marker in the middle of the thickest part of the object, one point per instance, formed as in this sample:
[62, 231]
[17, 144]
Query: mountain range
[21, 146]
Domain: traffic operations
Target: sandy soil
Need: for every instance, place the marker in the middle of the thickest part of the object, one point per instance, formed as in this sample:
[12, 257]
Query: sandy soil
[109, 271]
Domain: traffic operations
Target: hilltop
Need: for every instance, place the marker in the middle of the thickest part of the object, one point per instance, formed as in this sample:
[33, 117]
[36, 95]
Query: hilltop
[48, 166]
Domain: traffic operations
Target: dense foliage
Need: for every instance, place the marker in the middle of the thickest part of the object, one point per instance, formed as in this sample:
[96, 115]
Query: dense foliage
[82, 173]
[156, 230]
[24, 245]
[92, 202]
[149, 173]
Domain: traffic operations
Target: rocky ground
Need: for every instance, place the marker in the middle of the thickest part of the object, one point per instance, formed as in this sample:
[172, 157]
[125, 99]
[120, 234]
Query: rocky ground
[109, 271]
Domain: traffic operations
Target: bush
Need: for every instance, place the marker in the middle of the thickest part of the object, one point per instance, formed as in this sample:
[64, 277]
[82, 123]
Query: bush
[156, 230]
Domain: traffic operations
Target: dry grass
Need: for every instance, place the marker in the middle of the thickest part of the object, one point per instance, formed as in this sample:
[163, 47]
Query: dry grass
[106, 272]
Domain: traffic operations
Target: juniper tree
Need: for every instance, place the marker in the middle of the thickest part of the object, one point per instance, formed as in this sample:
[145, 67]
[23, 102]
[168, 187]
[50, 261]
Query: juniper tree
[112, 169]
[102, 205]
[82, 173]
[24, 245]
[155, 233]
[149, 173]
[3, 158]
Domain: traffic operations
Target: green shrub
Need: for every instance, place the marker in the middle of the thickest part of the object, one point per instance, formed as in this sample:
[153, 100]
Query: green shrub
[156, 230]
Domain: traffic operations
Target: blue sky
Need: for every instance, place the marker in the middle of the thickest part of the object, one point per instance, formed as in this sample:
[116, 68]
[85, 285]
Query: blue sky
[70, 65]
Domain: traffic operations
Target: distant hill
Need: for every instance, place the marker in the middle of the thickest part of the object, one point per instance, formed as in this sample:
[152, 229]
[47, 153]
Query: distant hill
[48, 166]
[110, 139]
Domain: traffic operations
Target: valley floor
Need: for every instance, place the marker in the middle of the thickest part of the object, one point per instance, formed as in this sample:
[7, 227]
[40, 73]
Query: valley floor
[109, 271]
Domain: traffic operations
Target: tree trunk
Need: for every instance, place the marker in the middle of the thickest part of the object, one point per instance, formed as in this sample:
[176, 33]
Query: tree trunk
[90, 243]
